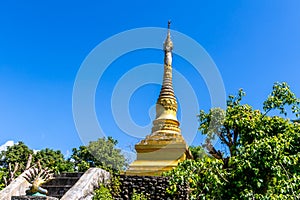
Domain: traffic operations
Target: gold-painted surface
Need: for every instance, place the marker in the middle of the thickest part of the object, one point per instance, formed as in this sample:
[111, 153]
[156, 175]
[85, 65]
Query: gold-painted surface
[165, 147]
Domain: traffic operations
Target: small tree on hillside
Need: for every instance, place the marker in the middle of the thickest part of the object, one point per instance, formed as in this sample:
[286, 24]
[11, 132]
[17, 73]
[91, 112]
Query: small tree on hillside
[101, 153]
[14, 161]
[53, 160]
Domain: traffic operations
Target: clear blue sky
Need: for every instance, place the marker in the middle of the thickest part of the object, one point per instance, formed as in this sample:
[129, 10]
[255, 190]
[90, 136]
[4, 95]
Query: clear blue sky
[43, 43]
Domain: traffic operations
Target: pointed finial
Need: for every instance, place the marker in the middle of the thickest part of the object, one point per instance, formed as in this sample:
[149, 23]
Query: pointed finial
[168, 45]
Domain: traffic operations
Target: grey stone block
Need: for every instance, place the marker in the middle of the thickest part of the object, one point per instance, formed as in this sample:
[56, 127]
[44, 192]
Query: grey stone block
[32, 198]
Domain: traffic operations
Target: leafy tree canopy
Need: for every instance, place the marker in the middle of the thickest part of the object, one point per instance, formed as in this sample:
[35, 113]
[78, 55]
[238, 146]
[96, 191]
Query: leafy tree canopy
[262, 157]
[53, 160]
[198, 152]
[15, 156]
[101, 153]
[20, 157]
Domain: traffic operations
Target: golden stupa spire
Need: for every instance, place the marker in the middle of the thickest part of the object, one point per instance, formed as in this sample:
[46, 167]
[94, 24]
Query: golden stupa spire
[166, 106]
[165, 128]
[165, 147]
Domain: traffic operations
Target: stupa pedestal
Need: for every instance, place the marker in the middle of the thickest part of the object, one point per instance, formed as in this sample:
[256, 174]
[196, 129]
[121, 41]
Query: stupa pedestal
[153, 160]
[165, 147]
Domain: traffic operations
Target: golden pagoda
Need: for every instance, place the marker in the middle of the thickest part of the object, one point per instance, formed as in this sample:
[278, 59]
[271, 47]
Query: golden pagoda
[165, 147]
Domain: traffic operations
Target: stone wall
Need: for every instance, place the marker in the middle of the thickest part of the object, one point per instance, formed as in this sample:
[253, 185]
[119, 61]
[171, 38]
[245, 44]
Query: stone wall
[153, 187]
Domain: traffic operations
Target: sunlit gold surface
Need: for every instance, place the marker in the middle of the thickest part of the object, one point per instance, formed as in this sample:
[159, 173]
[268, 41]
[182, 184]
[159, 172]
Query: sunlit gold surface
[164, 147]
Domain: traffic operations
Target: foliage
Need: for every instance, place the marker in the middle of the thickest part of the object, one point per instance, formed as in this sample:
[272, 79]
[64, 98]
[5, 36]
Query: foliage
[202, 175]
[19, 157]
[262, 161]
[103, 193]
[53, 160]
[101, 153]
[13, 162]
[198, 152]
[112, 189]
[82, 159]
[15, 156]
[136, 196]
[280, 97]
[114, 185]
[2, 174]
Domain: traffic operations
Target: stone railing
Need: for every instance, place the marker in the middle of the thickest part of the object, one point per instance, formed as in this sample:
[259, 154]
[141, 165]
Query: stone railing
[83, 189]
[16, 188]
[85, 186]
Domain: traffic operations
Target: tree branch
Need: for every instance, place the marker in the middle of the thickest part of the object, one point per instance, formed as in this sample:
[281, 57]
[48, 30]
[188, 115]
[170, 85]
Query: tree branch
[229, 136]
[29, 162]
[213, 151]
[235, 135]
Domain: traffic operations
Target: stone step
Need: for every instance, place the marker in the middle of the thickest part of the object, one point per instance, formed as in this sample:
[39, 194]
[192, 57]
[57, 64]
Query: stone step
[57, 186]
[57, 191]
[70, 174]
[61, 183]
[32, 198]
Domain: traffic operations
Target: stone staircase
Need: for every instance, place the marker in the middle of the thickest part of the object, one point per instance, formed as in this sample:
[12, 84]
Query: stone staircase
[61, 184]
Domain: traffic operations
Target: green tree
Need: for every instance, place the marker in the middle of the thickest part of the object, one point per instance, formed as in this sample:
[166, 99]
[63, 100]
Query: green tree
[262, 158]
[53, 160]
[15, 156]
[198, 152]
[13, 162]
[19, 157]
[101, 153]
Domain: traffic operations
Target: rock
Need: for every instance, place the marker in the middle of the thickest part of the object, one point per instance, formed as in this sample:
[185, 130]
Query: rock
[33, 198]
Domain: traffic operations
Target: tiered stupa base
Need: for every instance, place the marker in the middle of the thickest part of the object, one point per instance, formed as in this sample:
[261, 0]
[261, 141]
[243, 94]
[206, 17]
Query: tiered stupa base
[157, 154]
